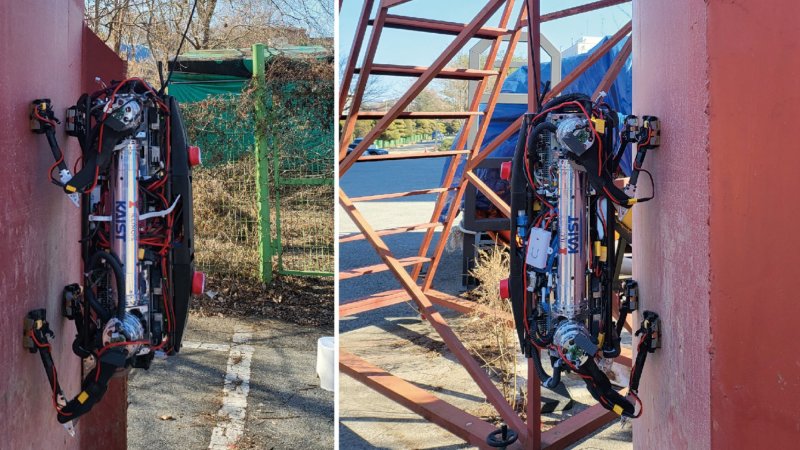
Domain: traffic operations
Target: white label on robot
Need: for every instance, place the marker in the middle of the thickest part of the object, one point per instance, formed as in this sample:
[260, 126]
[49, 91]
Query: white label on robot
[538, 248]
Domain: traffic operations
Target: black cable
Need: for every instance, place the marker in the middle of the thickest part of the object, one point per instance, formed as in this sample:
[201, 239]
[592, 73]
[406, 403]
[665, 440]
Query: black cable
[116, 267]
[180, 46]
[652, 187]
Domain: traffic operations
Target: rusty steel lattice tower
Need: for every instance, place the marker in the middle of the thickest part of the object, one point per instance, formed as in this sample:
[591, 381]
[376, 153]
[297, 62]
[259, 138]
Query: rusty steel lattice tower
[408, 271]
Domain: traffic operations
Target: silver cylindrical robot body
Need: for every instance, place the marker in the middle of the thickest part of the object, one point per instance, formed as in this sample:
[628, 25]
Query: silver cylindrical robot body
[571, 301]
[125, 217]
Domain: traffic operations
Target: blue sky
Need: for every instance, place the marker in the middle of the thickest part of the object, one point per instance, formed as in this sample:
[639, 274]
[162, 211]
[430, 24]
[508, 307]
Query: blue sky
[421, 49]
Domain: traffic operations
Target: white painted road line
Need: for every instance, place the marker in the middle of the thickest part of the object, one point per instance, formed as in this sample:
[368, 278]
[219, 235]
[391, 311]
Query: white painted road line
[230, 426]
[205, 346]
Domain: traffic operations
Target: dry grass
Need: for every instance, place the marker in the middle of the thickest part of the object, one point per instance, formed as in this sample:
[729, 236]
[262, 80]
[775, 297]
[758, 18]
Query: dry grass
[226, 247]
[226, 219]
[307, 227]
[226, 222]
[490, 337]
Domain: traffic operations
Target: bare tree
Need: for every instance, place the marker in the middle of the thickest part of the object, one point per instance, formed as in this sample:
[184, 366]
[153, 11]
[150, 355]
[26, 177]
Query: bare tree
[158, 25]
[374, 92]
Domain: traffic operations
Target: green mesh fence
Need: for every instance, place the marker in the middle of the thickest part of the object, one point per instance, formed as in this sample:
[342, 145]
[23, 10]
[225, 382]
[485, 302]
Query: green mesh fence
[299, 126]
[299, 130]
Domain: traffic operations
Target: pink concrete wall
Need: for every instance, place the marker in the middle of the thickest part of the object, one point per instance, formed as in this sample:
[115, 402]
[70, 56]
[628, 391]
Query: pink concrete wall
[43, 53]
[671, 233]
[716, 252]
[754, 64]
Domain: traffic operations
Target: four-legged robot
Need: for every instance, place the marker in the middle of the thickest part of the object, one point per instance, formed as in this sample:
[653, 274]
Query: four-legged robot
[134, 191]
[566, 211]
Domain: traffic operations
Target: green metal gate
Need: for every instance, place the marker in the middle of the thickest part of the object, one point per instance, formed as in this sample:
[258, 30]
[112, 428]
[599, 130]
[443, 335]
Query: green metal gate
[265, 191]
[294, 129]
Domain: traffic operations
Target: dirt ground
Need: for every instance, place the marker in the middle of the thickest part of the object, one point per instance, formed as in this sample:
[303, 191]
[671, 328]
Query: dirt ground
[299, 300]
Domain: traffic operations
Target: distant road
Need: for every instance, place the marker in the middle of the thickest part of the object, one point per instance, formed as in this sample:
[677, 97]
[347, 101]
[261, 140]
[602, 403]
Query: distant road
[419, 146]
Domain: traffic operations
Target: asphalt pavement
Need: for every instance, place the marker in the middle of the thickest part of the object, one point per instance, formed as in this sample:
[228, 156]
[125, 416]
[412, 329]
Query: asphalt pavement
[244, 384]
[380, 178]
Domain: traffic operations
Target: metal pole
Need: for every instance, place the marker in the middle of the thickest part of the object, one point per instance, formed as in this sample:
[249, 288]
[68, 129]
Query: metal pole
[276, 178]
[534, 422]
[262, 167]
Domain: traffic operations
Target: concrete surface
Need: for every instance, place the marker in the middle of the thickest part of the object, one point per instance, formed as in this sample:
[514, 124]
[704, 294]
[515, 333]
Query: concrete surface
[671, 233]
[45, 52]
[716, 249]
[757, 406]
[286, 408]
[395, 339]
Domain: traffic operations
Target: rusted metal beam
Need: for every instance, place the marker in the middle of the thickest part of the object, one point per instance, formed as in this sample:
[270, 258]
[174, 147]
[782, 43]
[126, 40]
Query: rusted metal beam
[377, 115]
[361, 85]
[468, 307]
[577, 427]
[440, 26]
[625, 357]
[399, 70]
[375, 301]
[355, 50]
[487, 386]
[576, 10]
[613, 71]
[369, 270]
[490, 194]
[393, 297]
[391, 3]
[534, 53]
[458, 43]
[389, 232]
[369, 198]
[466, 426]
[581, 9]
[533, 408]
[481, 133]
[534, 422]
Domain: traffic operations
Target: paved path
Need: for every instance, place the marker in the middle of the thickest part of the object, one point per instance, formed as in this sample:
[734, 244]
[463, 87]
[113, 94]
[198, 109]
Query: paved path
[244, 384]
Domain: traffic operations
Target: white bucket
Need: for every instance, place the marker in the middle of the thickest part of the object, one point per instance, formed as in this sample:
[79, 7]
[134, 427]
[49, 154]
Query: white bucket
[325, 364]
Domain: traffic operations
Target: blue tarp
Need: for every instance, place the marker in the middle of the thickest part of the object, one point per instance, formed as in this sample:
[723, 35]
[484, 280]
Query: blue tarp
[619, 97]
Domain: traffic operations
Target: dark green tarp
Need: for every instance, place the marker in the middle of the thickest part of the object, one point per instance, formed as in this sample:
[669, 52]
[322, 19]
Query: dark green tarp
[202, 73]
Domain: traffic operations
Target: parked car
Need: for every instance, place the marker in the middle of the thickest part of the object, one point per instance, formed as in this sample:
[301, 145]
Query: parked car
[371, 150]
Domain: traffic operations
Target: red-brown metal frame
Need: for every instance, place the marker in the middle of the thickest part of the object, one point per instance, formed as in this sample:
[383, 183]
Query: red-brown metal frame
[472, 429]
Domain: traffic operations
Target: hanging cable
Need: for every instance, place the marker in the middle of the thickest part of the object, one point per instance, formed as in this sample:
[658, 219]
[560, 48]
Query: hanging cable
[178, 52]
